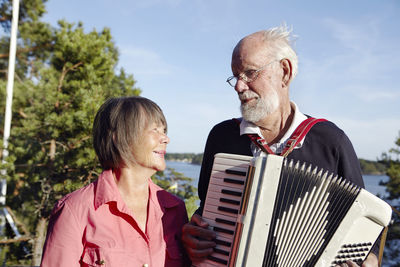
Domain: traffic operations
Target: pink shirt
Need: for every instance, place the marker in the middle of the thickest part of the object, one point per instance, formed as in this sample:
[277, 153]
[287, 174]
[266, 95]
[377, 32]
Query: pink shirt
[93, 227]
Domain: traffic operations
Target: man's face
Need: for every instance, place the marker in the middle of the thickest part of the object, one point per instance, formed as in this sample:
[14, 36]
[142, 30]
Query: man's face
[260, 97]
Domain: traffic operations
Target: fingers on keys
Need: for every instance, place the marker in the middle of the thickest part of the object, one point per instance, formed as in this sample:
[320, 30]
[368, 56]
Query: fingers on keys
[348, 264]
[198, 239]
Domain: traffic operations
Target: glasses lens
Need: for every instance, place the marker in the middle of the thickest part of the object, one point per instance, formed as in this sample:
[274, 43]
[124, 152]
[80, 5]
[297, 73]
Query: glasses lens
[232, 81]
[251, 75]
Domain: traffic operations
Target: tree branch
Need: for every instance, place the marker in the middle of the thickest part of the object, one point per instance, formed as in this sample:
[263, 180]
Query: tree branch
[15, 240]
[5, 18]
[64, 73]
[17, 222]
[62, 77]
[26, 50]
[78, 142]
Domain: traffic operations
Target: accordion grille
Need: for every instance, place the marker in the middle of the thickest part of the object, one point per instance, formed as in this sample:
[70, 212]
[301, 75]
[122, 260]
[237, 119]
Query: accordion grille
[309, 206]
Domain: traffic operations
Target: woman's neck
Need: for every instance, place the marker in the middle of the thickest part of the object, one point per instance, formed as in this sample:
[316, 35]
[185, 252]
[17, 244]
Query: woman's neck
[131, 180]
[133, 185]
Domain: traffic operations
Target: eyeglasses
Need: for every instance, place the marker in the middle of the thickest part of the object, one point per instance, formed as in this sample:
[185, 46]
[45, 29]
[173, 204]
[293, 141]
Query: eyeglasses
[248, 76]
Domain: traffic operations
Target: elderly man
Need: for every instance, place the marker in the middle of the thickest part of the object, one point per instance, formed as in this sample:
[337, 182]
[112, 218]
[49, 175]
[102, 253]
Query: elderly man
[263, 65]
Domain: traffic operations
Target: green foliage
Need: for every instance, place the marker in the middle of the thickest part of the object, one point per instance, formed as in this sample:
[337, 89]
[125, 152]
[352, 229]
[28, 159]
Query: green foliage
[372, 167]
[393, 185]
[29, 10]
[52, 142]
[63, 75]
[392, 249]
[179, 185]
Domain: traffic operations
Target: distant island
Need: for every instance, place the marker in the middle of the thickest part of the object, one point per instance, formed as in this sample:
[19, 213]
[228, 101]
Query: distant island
[368, 167]
[371, 167]
[185, 157]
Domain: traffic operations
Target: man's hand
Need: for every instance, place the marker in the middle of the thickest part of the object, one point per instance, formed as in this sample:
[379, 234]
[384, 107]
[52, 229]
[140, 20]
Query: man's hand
[197, 239]
[370, 261]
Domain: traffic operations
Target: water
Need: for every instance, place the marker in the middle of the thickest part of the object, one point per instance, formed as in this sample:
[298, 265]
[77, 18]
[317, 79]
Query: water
[372, 184]
[193, 171]
[188, 169]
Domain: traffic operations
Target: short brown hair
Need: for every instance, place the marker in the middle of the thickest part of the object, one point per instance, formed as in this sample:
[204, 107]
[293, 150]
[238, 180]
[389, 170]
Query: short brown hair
[118, 126]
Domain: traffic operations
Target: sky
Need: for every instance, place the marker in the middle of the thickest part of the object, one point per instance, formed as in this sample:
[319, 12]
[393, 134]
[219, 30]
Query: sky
[179, 52]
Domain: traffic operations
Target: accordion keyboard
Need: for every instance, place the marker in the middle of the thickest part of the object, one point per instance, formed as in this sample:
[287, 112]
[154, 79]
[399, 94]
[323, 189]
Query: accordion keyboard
[223, 202]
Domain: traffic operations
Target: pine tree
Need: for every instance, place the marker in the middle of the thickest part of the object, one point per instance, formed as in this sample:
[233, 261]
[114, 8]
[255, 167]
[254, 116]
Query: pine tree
[392, 249]
[63, 75]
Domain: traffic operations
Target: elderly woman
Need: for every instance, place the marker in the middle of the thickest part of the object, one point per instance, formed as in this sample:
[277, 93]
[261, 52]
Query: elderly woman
[123, 218]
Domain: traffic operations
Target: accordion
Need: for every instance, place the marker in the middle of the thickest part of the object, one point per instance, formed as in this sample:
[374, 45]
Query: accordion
[271, 211]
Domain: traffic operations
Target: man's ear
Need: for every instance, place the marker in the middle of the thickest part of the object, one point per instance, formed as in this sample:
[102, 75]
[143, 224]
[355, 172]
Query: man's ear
[287, 71]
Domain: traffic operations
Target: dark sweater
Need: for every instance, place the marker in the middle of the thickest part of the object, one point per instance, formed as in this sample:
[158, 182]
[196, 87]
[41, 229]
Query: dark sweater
[325, 146]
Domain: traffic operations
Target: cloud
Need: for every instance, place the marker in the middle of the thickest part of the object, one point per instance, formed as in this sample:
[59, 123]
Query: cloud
[152, 3]
[208, 18]
[359, 37]
[363, 47]
[192, 116]
[142, 61]
[359, 65]
[370, 137]
[380, 96]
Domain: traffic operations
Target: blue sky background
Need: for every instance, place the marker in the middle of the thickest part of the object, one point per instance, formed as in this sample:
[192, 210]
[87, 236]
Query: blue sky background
[179, 52]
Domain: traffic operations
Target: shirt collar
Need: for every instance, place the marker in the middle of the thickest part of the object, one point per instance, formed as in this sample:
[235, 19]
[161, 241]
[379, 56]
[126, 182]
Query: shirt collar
[161, 197]
[250, 128]
[107, 191]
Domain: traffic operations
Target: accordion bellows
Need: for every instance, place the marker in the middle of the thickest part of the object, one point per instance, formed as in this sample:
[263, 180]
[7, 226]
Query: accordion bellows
[271, 211]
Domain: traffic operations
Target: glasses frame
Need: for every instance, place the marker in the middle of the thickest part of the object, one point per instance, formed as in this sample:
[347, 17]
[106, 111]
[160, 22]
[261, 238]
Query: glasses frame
[234, 79]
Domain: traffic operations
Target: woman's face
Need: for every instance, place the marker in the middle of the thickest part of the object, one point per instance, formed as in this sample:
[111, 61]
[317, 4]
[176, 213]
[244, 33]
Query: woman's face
[149, 152]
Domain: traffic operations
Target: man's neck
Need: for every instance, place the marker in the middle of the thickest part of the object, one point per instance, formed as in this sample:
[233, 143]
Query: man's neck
[275, 125]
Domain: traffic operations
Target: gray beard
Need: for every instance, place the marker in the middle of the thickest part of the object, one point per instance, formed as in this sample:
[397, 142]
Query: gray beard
[262, 108]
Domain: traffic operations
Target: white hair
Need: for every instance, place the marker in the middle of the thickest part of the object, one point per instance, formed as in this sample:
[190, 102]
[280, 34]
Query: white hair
[280, 40]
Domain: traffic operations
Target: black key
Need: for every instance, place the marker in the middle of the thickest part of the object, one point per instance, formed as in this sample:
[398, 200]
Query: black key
[235, 172]
[223, 243]
[217, 260]
[220, 251]
[233, 181]
[230, 201]
[229, 210]
[232, 193]
[222, 230]
[219, 220]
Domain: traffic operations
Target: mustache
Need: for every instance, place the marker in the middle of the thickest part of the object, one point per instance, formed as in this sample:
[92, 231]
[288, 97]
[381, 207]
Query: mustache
[247, 95]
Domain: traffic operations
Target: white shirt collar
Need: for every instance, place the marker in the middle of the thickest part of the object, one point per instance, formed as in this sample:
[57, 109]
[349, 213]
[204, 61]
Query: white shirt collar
[250, 128]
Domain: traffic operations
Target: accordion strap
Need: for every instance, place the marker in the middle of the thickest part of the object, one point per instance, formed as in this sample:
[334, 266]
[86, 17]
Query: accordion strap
[382, 245]
[296, 137]
[299, 134]
[383, 238]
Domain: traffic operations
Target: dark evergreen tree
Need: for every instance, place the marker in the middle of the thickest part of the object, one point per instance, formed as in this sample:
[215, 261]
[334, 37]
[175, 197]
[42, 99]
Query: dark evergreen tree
[392, 249]
[63, 75]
